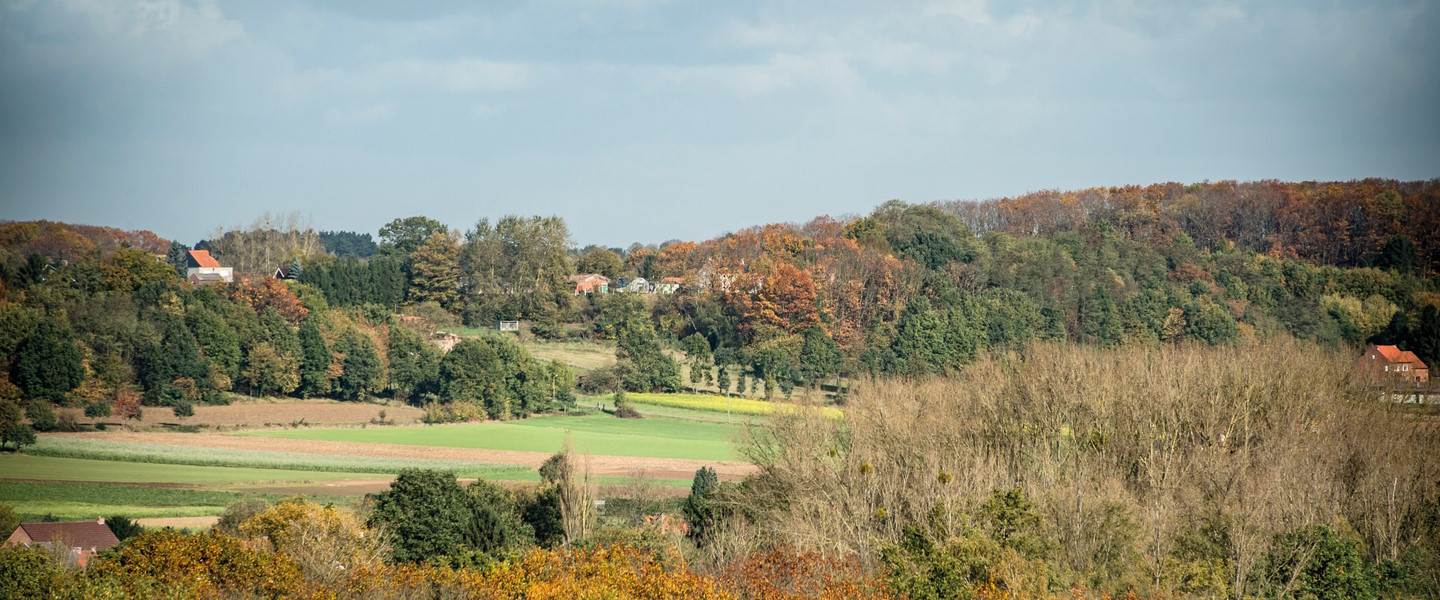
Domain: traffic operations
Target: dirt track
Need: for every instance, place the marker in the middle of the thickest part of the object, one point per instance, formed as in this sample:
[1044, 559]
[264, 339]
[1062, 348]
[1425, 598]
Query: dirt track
[659, 468]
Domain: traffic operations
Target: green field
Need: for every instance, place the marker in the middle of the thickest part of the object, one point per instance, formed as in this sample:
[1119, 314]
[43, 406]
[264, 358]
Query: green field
[23, 466]
[721, 404]
[81, 500]
[589, 434]
[83, 477]
[100, 449]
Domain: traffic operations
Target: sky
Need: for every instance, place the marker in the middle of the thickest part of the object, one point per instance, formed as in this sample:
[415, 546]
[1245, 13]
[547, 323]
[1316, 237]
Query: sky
[650, 120]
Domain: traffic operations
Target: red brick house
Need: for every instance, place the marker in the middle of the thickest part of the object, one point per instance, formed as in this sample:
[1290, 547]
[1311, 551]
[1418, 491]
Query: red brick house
[1390, 363]
[83, 538]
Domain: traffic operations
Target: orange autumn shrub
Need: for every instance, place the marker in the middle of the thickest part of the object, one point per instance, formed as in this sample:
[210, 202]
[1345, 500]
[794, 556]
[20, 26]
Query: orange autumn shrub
[612, 572]
[785, 574]
[202, 565]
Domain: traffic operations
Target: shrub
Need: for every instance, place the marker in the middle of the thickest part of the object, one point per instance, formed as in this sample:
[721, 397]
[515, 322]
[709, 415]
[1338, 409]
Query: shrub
[123, 527]
[214, 564]
[237, 513]
[1317, 562]
[28, 572]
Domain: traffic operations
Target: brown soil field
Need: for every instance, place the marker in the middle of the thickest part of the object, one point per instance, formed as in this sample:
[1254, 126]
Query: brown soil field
[180, 522]
[264, 413]
[624, 466]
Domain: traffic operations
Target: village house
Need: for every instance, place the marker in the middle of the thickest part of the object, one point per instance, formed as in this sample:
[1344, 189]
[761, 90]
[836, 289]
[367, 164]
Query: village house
[203, 269]
[669, 285]
[638, 285]
[1391, 364]
[83, 538]
[590, 283]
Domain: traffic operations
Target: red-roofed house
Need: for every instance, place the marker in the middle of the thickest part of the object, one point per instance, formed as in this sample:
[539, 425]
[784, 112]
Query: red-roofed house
[83, 538]
[1393, 363]
[590, 283]
[204, 269]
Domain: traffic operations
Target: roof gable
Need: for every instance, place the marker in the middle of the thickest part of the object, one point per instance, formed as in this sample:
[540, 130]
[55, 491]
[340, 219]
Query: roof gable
[202, 258]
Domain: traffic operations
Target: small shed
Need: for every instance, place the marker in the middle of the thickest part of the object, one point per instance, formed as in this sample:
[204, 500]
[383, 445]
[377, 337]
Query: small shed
[508, 326]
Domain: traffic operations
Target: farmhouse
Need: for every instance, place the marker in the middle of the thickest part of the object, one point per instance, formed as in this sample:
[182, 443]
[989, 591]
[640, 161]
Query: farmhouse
[590, 283]
[203, 269]
[1391, 364]
[638, 285]
[669, 285]
[83, 538]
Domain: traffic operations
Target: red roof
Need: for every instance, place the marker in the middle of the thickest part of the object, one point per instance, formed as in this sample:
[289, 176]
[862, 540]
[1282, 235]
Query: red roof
[202, 258]
[78, 534]
[1395, 355]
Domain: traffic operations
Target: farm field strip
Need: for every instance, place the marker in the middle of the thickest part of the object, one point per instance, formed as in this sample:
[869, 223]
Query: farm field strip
[596, 434]
[197, 455]
[76, 500]
[49, 468]
[722, 404]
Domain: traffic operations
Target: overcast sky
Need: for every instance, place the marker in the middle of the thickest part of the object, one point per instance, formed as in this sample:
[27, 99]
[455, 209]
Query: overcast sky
[647, 120]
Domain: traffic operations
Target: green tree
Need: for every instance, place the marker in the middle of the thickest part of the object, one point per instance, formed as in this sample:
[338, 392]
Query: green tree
[414, 364]
[8, 519]
[643, 364]
[48, 364]
[701, 509]
[1318, 562]
[178, 257]
[28, 572]
[600, 260]
[361, 372]
[422, 512]
[218, 341]
[1209, 322]
[123, 527]
[496, 374]
[697, 350]
[403, 236]
[14, 432]
[435, 270]
[495, 522]
[314, 360]
[819, 356]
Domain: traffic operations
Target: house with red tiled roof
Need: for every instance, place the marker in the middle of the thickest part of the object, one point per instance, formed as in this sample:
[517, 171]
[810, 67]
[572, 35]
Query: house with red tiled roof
[590, 283]
[204, 269]
[84, 539]
[1393, 364]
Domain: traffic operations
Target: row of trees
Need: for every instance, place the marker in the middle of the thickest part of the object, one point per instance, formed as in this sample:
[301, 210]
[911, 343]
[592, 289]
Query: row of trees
[113, 333]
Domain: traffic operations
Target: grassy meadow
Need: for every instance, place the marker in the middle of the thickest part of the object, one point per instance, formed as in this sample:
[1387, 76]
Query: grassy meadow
[146, 475]
[589, 434]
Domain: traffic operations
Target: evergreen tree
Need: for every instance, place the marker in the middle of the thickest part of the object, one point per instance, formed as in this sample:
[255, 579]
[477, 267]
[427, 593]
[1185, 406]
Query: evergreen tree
[178, 257]
[819, 356]
[361, 370]
[701, 508]
[314, 360]
[48, 364]
[218, 341]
